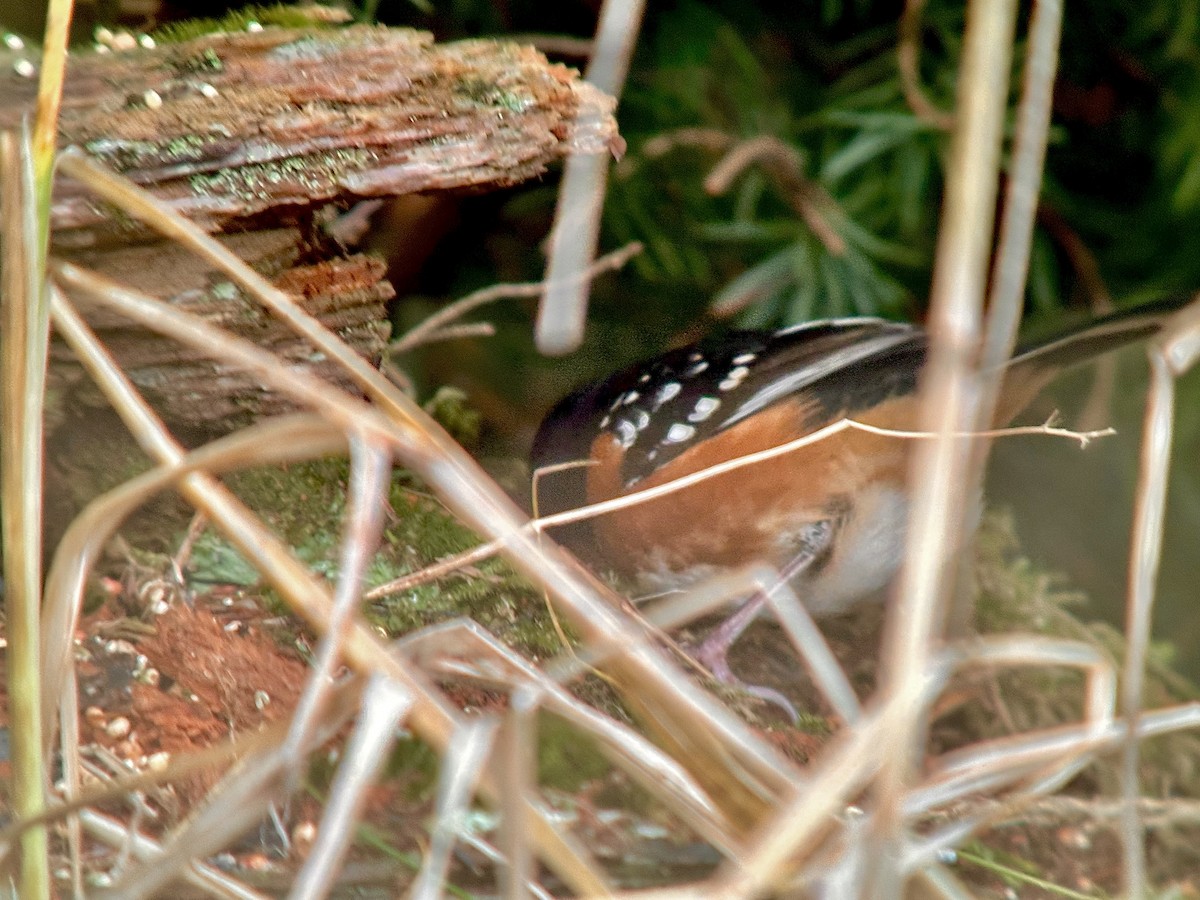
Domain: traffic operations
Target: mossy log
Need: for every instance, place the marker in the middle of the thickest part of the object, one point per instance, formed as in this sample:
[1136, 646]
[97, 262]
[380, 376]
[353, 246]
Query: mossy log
[231, 127]
[254, 133]
[348, 294]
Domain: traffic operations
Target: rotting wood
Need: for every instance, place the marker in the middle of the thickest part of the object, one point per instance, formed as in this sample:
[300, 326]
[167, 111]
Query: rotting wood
[230, 127]
[262, 130]
[348, 294]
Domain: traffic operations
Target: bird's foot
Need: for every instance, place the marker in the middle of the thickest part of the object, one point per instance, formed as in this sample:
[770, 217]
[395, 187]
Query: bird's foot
[713, 654]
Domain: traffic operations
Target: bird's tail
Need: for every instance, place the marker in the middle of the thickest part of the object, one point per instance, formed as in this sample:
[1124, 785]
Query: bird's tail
[1034, 366]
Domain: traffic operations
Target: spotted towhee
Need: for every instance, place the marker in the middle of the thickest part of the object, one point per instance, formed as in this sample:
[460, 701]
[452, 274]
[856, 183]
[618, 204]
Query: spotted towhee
[830, 515]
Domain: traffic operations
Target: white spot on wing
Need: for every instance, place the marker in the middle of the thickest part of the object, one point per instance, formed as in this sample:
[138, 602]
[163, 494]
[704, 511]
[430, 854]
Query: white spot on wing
[734, 378]
[626, 434]
[704, 408]
[806, 375]
[666, 393]
[678, 433]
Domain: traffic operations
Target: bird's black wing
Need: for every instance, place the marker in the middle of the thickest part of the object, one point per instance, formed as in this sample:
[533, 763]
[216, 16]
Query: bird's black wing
[657, 409]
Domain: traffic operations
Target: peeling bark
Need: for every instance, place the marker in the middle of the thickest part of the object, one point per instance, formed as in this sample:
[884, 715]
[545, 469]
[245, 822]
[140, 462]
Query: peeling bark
[261, 130]
[233, 126]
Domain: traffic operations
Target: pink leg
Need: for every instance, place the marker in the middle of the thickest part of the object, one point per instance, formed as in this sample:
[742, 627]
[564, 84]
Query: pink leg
[713, 651]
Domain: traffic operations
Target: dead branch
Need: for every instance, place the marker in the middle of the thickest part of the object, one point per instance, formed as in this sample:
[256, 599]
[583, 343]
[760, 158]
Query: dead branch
[231, 126]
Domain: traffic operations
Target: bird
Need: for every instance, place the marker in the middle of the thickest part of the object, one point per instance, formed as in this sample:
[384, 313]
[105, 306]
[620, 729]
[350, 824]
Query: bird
[829, 516]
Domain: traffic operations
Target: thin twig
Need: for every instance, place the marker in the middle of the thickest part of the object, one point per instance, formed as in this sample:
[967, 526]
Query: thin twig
[460, 332]
[705, 138]
[450, 564]
[442, 319]
[785, 166]
[908, 58]
[660, 145]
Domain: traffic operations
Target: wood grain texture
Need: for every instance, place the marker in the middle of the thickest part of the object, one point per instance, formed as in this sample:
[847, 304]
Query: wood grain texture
[279, 121]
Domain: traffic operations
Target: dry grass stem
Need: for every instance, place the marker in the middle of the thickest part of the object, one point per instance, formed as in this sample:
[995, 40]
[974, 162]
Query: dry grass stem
[383, 708]
[1006, 294]
[458, 781]
[24, 336]
[908, 58]
[949, 396]
[370, 469]
[1145, 554]
[572, 243]
[205, 877]
[874, 811]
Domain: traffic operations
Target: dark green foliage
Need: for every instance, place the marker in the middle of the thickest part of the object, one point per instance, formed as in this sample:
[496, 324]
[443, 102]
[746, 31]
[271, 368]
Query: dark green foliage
[1123, 179]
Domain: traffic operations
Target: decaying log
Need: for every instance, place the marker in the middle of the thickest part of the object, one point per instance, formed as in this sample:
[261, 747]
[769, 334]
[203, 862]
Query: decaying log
[259, 130]
[348, 294]
[231, 126]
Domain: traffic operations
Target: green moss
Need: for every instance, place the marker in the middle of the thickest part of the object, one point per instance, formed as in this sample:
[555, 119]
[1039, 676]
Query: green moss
[567, 758]
[124, 155]
[491, 95]
[449, 408]
[305, 505]
[313, 173]
[205, 62]
[280, 15]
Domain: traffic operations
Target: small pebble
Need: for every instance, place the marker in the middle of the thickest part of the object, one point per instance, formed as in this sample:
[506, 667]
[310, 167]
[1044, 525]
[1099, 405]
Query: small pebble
[118, 727]
[158, 762]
